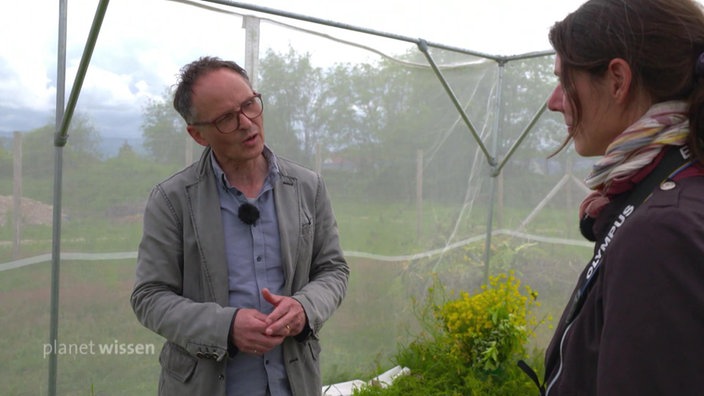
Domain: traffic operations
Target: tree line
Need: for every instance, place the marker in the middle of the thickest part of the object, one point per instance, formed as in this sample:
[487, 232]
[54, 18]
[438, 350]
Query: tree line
[366, 121]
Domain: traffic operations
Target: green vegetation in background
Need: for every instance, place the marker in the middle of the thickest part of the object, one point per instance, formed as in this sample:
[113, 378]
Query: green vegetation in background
[370, 120]
[470, 344]
[94, 310]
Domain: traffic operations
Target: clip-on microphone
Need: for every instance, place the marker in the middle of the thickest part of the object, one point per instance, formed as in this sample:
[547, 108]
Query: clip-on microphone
[248, 213]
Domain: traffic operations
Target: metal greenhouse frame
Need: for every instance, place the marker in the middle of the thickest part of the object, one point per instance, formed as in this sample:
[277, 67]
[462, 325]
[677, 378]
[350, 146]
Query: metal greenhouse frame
[64, 114]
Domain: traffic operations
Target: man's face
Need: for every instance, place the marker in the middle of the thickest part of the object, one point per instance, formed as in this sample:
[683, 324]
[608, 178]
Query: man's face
[215, 95]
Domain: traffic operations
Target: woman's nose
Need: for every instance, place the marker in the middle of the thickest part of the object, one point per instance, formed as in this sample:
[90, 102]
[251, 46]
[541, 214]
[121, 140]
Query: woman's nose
[556, 99]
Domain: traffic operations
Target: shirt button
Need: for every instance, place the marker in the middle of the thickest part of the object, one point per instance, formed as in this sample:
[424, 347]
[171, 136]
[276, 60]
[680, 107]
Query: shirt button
[259, 258]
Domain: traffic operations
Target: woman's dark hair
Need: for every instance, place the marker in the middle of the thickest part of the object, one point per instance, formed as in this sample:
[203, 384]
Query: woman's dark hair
[183, 97]
[660, 39]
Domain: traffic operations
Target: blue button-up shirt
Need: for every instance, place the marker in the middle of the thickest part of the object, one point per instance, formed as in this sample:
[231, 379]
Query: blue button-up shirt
[254, 262]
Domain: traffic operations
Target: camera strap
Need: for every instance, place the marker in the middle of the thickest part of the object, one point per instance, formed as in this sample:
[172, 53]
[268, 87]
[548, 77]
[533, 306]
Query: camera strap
[674, 160]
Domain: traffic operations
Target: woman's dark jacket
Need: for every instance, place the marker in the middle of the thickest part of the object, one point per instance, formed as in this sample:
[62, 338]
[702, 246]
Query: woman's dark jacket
[641, 328]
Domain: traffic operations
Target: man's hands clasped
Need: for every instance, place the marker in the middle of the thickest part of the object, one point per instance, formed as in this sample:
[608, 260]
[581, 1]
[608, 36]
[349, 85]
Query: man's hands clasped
[257, 333]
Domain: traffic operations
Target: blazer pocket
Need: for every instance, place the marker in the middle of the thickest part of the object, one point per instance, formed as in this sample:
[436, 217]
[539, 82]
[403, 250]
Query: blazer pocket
[314, 347]
[306, 226]
[177, 363]
[305, 245]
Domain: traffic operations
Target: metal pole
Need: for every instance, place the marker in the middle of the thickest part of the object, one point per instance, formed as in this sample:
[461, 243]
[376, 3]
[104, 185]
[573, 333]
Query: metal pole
[63, 120]
[319, 21]
[419, 194]
[492, 198]
[62, 135]
[423, 47]
[60, 96]
[251, 60]
[17, 194]
[523, 135]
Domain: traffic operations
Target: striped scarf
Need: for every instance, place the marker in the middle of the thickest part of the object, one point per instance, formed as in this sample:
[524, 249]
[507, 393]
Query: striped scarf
[665, 123]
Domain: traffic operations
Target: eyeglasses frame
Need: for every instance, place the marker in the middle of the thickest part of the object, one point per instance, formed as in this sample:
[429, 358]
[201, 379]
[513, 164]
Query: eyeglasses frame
[237, 113]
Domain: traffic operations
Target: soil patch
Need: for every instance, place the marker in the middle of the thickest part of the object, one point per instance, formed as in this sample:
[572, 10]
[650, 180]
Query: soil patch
[32, 212]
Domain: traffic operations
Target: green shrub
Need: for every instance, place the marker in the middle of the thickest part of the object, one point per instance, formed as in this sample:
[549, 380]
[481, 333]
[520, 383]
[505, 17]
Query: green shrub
[473, 345]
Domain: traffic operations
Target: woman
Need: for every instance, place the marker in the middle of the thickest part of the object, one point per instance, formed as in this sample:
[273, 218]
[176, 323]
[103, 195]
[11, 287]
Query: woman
[631, 89]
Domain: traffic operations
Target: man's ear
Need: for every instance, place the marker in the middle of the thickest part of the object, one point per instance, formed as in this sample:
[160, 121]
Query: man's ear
[619, 77]
[196, 135]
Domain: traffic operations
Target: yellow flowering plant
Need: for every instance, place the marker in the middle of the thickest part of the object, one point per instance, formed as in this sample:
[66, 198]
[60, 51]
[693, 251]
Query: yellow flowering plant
[491, 326]
[471, 343]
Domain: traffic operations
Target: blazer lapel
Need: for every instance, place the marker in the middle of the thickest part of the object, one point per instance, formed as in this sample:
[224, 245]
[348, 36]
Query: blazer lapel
[286, 199]
[204, 207]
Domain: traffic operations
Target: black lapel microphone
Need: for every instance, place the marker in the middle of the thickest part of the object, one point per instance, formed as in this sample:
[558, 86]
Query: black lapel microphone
[248, 213]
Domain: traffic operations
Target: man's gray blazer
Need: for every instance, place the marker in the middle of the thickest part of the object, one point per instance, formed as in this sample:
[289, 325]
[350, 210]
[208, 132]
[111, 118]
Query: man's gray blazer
[181, 290]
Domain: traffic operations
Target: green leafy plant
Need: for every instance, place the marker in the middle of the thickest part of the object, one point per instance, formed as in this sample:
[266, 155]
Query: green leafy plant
[474, 344]
[489, 327]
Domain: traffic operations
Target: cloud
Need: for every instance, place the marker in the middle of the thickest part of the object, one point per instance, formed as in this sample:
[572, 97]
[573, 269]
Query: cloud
[143, 44]
[25, 85]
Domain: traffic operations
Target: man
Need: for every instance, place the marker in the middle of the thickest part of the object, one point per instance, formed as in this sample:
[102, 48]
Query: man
[240, 263]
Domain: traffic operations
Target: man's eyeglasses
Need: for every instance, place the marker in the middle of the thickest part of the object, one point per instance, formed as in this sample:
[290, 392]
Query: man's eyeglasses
[230, 122]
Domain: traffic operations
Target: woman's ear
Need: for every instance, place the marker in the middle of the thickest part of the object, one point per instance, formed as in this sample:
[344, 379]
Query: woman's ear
[619, 77]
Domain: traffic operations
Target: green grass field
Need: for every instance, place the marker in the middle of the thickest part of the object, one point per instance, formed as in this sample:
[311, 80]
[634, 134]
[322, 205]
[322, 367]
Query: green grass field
[95, 315]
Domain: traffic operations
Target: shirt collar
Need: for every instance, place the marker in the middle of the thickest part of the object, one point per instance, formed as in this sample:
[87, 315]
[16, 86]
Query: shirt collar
[270, 159]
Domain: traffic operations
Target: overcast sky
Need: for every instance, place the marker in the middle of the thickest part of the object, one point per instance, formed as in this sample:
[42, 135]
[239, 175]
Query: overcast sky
[143, 43]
